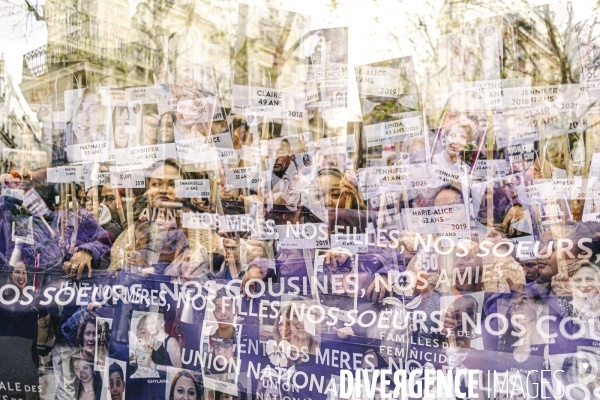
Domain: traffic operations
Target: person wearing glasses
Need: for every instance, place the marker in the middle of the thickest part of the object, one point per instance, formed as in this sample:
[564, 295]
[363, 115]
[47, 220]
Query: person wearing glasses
[334, 200]
[223, 340]
[108, 198]
[228, 266]
[105, 216]
[223, 362]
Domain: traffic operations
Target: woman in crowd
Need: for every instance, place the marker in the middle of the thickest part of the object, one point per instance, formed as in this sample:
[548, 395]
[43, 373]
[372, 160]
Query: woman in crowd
[191, 110]
[223, 337]
[18, 330]
[334, 200]
[142, 357]
[225, 309]
[104, 213]
[159, 238]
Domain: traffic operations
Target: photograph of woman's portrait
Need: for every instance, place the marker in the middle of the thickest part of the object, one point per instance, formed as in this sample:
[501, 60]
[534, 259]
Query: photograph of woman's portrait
[151, 349]
[183, 385]
[87, 123]
[458, 141]
[88, 383]
[103, 333]
[126, 125]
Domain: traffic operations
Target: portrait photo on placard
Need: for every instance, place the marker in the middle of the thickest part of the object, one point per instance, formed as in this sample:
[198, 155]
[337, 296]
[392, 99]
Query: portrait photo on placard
[103, 334]
[220, 355]
[497, 205]
[295, 330]
[87, 123]
[183, 384]
[150, 348]
[150, 125]
[114, 380]
[459, 140]
[126, 125]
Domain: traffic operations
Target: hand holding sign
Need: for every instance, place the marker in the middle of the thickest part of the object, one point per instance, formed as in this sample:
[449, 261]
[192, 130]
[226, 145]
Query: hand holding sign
[449, 322]
[78, 263]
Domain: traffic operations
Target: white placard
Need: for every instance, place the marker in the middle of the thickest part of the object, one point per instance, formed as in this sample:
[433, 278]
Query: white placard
[66, 174]
[192, 188]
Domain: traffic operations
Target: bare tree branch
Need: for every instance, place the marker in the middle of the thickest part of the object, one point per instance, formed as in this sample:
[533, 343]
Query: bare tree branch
[34, 11]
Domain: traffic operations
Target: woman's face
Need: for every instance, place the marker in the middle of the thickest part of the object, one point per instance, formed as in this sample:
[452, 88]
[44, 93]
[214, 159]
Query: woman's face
[224, 310]
[117, 386]
[185, 76]
[44, 322]
[19, 276]
[285, 327]
[143, 353]
[187, 111]
[89, 338]
[328, 191]
[456, 140]
[185, 389]
[291, 186]
[121, 132]
[525, 317]
[87, 119]
[89, 200]
[166, 131]
[447, 197]
[470, 266]
[298, 332]
[83, 371]
[149, 129]
[142, 331]
[162, 187]
[462, 307]
[152, 326]
[241, 136]
[585, 283]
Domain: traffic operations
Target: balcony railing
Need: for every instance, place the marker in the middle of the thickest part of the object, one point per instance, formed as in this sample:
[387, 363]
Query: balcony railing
[76, 49]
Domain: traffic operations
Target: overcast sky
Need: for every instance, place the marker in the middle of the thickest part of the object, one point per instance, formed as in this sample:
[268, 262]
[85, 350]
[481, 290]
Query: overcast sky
[372, 24]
